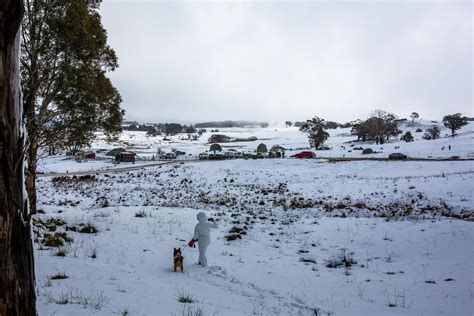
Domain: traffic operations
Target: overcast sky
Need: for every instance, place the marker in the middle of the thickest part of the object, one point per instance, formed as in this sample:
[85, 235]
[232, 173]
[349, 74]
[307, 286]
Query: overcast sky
[274, 61]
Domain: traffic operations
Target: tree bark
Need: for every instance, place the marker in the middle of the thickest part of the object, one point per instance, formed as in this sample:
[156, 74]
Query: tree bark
[17, 285]
[32, 154]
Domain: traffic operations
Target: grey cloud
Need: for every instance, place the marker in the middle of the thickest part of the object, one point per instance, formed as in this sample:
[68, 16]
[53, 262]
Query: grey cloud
[189, 62]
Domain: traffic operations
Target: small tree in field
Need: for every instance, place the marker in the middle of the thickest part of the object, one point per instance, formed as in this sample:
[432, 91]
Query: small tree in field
[262, 148]
[215, 147]
[288, 123]
[408, 137]
[454, 122]
[315, 128]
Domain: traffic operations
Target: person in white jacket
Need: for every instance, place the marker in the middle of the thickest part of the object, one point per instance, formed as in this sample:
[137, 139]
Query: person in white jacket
[202, 234]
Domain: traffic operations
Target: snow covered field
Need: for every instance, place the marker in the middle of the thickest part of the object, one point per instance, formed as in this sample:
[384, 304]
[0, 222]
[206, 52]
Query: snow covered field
[341, 144]
[295, 237]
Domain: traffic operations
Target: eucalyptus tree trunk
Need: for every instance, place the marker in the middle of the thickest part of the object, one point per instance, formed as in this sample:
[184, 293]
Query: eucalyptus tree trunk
[17, 285]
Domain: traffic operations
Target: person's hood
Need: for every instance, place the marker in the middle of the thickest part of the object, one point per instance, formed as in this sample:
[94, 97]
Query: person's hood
[202, 218]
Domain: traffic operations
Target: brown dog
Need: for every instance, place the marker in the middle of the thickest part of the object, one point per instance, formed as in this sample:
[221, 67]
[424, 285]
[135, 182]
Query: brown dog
[178, 259]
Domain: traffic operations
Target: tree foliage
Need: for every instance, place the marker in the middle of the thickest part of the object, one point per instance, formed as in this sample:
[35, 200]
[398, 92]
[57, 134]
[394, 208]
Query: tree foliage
[454, 122]
[215, 147]
[379, 127]
[431, 133]
[67, 95]
[315, 128]
[64, 58]
[288, 123]
[331, 125]
[262, 148]
[173, 128]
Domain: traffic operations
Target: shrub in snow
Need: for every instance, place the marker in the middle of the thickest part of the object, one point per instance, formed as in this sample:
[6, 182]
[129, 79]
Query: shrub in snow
[367, 151]
[219, 138]
[343, 260]
[407, 137]
[59, 276]
[141, 214]
[55, 240]
[262, 148]
[88, 229]
[185, 297]
[432, 133]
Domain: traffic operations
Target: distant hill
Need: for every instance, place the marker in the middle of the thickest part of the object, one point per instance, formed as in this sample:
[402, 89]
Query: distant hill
[224, 124]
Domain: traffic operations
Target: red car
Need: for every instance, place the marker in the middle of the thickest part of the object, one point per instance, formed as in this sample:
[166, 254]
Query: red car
[305, 154]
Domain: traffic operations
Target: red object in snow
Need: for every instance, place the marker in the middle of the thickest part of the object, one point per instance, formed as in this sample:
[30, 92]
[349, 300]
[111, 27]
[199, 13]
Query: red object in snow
[304, 154]
[191, 243]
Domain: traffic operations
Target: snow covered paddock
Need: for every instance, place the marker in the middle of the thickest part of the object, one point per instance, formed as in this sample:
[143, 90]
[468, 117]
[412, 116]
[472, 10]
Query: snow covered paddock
[295, 237]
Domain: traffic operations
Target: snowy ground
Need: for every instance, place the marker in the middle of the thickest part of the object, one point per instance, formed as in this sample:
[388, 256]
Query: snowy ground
[401, 230]
[397, 221]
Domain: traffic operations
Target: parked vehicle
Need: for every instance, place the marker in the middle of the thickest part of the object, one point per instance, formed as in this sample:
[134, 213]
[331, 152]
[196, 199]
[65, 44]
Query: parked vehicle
[125, 156]
[305, 154]
[397, 156]
[229, 154]
[217, 157]
[203, 156]
[170, 156]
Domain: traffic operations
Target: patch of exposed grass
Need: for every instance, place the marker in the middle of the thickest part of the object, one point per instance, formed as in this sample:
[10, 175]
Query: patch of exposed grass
[185, 297]
[88, 229]
[59, 276]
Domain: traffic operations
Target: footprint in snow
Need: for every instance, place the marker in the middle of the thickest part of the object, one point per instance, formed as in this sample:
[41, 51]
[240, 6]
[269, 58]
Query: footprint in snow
[217, 271]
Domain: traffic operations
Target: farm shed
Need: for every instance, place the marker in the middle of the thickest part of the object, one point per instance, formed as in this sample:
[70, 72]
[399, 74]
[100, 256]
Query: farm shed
[89, 155]
[125, 156]
[114, 152]
[277, 152]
